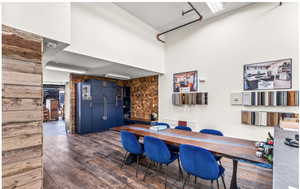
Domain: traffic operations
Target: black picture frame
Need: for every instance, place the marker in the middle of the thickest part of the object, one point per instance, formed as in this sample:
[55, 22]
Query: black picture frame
[195, 82]
[249, 86]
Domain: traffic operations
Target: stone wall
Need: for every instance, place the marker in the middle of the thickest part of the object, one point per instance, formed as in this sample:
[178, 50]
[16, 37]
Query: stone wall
[144, 97]
[22, 109]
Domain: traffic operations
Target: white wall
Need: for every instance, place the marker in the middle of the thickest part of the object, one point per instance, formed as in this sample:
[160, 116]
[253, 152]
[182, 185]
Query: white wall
[51, 20]
[55, 77]
[218, 49]
[105, 31]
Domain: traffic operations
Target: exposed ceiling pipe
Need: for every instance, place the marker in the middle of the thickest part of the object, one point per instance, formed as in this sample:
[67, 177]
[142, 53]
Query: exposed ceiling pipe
[183, 13]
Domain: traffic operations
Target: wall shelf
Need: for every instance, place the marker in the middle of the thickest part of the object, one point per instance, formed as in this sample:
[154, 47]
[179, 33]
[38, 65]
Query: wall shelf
[266, 119]
[196, 98]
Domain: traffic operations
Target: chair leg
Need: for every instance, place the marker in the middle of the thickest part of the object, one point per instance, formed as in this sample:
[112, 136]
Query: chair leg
[218, 184]
[185, 180]
[166, 176]
[220, 162]
[180, 170]
[223, 181]
[124, 159]
[149, 162]
[137, 165]
[211, 184]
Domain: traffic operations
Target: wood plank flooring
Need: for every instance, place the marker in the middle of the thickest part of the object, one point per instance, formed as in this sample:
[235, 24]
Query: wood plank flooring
[93, 161]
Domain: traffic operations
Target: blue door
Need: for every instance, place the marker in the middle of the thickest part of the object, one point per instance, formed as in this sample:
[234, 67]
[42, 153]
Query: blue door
[84, 108]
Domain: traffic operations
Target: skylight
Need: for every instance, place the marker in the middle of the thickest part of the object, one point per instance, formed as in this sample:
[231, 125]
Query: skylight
[215, 6]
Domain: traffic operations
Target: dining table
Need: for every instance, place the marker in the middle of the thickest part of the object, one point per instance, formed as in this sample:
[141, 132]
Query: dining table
[233, 148]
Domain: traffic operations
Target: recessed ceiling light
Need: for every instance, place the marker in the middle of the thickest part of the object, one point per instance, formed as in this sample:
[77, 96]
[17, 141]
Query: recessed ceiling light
[215, 6]
[49, 67]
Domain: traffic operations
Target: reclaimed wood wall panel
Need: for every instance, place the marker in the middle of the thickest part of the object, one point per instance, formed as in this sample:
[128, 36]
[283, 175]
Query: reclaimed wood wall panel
[21, 116]
[22, 179]
[15, 91]
[13, 104]
[17, 167]
[21, 154]
[18, 78]
[21, 66]
[15, 129]
[22, 109]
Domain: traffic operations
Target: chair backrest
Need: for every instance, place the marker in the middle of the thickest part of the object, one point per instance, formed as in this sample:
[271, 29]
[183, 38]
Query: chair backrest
[160, 123]
[211, 132]
[130, 143]
[185, 128]
[198, 162]
[156, 149]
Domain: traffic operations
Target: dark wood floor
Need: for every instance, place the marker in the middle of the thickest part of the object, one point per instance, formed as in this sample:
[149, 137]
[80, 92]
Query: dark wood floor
[93, 161]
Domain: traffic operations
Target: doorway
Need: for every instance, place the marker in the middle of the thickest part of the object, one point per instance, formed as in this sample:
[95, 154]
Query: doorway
[53, 109]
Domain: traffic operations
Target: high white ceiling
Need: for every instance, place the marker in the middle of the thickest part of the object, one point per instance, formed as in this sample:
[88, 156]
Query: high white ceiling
[159, 15]
[165, 15]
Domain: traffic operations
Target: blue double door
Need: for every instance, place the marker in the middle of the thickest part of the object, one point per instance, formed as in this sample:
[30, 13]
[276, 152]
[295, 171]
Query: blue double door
[104, 110]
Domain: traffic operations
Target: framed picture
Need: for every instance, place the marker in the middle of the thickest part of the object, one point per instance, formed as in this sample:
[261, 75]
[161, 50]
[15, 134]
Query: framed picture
[185, 82]
[275, 74]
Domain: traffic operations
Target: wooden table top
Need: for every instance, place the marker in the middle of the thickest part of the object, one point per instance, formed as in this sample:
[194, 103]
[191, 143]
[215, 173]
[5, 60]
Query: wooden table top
[225, 146]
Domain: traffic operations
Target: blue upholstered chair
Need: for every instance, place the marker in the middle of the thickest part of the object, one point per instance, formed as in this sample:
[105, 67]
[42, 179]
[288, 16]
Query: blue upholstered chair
[185, 128]
[131, 144]
[157, 151]
[213, 132]
[160, 123]
[200, 163]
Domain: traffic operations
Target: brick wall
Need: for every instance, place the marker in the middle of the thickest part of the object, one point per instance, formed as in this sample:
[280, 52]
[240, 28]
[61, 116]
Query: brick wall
[144, 97]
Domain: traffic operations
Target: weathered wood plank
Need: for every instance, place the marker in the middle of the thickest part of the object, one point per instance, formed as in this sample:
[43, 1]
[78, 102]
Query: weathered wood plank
[21, 141]
[21, 166]
[14, 91]
[16, 40]
[9, 64]
[17, 78]
[15, 129]
[32, 185]
[22, 116]
[13, 104]
[22, 178]
[25, 35]
[21, 154]
[21, 53]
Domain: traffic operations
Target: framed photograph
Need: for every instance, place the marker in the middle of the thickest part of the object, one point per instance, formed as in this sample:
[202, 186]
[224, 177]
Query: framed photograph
[185, 82]
[275, 74]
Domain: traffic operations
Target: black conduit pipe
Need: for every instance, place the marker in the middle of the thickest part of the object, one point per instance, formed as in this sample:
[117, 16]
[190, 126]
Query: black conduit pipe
[183, 13]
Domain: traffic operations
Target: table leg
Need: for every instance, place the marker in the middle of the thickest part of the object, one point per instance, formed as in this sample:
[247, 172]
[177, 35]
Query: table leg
[233, 184]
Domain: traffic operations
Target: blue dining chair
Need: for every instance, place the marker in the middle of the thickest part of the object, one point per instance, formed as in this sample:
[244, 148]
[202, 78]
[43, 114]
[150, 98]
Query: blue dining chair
[131, 144]
[185, 128]
[213, 132]
[157, 151]
[201, 163]
[160, 123]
